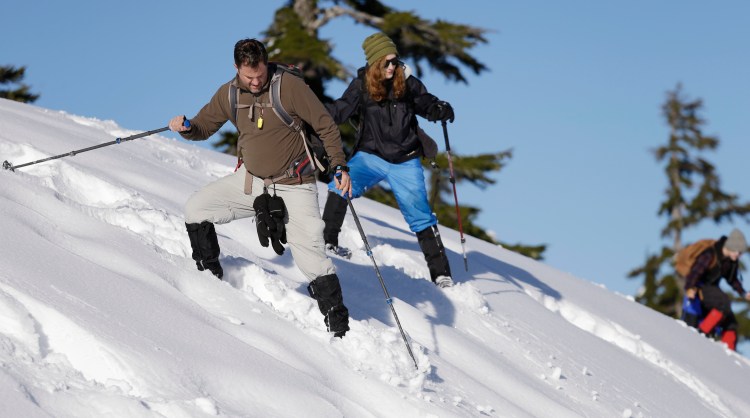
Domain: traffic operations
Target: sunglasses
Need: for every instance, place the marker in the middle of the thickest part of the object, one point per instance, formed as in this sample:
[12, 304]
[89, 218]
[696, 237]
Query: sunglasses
[393, 61]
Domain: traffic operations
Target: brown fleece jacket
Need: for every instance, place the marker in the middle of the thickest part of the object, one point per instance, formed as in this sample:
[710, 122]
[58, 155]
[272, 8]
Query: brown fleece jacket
[271, 149]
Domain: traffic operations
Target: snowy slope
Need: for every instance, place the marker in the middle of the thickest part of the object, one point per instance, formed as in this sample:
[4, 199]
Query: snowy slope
[102, 312]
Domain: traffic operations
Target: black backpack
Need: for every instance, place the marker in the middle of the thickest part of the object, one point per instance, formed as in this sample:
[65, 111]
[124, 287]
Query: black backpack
[317, 157]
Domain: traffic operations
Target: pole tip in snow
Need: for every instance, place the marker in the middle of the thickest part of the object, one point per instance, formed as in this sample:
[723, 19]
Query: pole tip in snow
[8, 166]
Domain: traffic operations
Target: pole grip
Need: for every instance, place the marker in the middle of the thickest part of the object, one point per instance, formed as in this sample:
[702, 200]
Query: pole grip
[346, 195]
[445, 134]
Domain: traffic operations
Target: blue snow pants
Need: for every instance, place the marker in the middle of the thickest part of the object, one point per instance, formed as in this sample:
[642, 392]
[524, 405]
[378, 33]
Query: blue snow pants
[405, 179]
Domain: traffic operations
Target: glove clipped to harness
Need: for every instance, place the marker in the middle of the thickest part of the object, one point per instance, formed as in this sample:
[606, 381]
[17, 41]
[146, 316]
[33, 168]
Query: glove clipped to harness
[269, 221]
[440, 111]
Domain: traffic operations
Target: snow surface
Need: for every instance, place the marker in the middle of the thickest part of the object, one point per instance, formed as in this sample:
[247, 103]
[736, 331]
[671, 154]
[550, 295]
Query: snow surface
[103, 314]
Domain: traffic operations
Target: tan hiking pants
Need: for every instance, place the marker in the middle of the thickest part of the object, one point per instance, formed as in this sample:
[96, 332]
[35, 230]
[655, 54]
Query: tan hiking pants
[225, 200]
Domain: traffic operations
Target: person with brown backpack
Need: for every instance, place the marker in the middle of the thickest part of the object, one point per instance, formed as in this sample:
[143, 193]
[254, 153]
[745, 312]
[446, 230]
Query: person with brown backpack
[703, 264]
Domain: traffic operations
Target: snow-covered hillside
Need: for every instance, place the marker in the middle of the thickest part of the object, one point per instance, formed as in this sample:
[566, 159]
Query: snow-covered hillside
[103, 314]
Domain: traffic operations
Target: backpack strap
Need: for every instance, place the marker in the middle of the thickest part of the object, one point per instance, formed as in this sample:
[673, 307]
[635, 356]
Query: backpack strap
[310, 156]
[278, 108]
[275, 96]
[234, 102]
[283, 115]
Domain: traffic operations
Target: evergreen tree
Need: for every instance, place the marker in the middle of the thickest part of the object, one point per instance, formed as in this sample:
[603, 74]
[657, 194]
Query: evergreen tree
[13, 75]
[293, 38]
[693, 195]
[472, 169]
[228, 142]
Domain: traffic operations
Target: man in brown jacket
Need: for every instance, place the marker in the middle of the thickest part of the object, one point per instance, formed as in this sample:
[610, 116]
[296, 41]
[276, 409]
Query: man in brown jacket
[268, 148]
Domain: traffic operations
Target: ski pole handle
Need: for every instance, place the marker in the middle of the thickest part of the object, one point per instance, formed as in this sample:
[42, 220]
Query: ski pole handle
[337, 175]
[179, 124]
[445, 134]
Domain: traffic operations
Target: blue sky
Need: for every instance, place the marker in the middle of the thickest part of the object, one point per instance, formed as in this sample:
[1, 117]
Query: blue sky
[575, 89]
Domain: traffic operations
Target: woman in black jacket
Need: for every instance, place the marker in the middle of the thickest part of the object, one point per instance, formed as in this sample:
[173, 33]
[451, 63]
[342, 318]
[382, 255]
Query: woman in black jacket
[386, 100]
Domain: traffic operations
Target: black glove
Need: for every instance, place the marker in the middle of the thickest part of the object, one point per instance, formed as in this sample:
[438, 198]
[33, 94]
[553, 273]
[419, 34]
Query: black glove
[262, 218]
[269, 220]
[277, 209]
[440, 111]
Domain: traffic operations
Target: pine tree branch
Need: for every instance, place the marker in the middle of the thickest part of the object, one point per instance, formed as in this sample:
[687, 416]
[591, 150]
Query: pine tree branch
[330, 13]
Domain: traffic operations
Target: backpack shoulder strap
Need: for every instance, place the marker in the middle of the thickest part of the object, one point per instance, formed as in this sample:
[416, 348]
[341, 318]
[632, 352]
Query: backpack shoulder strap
[232, 91]
[313, 146]
[275, 95]
[234, 101]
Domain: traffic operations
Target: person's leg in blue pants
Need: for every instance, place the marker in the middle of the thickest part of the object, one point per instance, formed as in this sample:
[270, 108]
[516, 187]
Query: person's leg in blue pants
[407, 182]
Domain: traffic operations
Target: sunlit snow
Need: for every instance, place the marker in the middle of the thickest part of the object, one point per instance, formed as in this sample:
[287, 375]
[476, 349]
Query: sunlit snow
[103, 314]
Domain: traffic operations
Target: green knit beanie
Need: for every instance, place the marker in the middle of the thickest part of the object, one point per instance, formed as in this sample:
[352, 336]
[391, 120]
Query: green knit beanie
[377, 46]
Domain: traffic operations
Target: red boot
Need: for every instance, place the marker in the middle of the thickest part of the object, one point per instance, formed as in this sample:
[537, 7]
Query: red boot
[711, 320]
[730, 339]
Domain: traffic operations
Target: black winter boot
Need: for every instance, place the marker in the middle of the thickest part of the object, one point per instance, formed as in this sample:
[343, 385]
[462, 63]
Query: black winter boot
[434, 254]
[333, 216]
[327, 291]
[205, 247]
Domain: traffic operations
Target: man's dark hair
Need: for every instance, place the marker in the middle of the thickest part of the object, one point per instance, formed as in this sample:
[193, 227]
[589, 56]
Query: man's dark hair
[250, 52]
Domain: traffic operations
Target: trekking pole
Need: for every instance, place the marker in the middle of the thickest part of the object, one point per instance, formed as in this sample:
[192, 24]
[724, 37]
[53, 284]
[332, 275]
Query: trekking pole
[11, 167]
[436, 190]
[455, 195]
[388, 298]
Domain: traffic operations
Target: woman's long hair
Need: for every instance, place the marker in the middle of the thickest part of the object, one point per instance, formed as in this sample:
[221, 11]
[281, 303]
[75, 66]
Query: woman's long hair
[375, 81]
